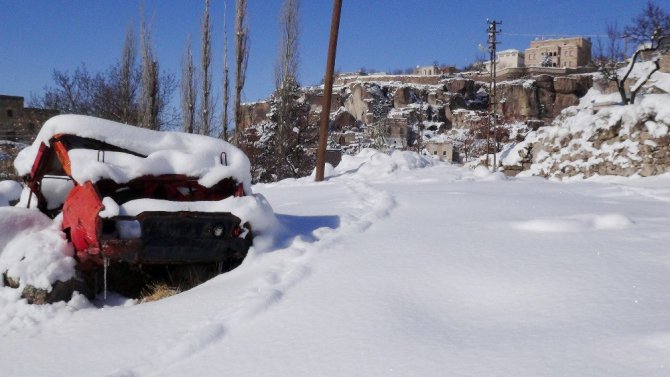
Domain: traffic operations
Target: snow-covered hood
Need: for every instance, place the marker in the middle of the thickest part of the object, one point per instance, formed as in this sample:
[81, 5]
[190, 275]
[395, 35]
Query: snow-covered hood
[167, 153]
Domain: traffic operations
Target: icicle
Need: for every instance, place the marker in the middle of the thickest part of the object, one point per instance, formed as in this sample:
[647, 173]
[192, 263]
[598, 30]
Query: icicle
[105, 264]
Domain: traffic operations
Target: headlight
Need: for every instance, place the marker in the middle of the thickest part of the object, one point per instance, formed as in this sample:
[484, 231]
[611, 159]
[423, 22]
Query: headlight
[217, 230]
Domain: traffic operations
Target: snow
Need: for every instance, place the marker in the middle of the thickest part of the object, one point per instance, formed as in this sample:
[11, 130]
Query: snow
[33, 249]
[9, 191]
[395, 265]
[579, 126]
[167, 153]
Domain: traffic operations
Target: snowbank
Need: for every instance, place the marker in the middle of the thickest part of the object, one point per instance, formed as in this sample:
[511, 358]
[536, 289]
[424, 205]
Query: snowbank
[33, 249]
[9, 191]
[434, 271]
[372, 163]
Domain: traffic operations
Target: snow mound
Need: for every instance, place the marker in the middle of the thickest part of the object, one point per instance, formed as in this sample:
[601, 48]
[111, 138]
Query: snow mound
[372, 163]
[9, 191]
[33, 249]
[576, 223]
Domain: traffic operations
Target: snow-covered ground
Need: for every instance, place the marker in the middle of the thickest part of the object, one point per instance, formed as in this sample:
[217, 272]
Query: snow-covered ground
[397, 266]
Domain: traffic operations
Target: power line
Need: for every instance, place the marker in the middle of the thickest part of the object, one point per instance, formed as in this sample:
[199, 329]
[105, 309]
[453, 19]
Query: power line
[554, 35]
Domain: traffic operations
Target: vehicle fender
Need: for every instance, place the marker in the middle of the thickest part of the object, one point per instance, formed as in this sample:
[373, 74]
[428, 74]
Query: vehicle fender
[81, 215]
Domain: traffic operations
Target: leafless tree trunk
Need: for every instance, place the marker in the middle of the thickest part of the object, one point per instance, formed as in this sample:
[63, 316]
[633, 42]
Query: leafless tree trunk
[149, 93]
[188, 90]
[287, 61]
[226, 82]
[611, 72]
[206, 75]
[286, 69]
[241, 58]
[127, 86]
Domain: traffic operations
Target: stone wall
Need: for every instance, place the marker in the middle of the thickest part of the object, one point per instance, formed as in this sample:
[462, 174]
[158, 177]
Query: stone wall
[18, 123]
[405, 79]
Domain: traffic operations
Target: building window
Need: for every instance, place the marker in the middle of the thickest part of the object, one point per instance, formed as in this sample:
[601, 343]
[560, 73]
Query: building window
[444, 153]
[434, 152]
[10, 113]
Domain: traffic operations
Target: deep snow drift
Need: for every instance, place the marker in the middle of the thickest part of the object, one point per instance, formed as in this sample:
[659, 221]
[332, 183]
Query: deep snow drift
[397, 265]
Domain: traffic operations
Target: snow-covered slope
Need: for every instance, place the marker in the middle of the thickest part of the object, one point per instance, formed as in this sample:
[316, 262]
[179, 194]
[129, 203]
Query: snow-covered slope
[397, 266]
[601, 137]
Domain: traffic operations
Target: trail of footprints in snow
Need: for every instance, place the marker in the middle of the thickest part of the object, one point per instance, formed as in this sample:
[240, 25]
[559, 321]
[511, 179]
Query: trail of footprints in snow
[367, 206]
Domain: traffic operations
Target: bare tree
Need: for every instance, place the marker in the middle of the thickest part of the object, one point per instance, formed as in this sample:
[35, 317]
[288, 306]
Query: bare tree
[615, 50]
[206, 112]
[127, 84]
[287, 61]
[188, 90]
[241, 57]
[609, 66]
[149, 90]
[115, 93]
[652, 19]
[286, 70]
[226, 81]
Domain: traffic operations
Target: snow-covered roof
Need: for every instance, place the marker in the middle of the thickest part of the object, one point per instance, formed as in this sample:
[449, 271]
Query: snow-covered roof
[166, 153]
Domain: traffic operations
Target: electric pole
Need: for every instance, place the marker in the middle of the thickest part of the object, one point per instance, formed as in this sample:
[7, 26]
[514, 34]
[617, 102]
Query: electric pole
[492, 31]
[327, 91]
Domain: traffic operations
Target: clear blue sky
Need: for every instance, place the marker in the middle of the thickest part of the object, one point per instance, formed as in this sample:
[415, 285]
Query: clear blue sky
[37, 37]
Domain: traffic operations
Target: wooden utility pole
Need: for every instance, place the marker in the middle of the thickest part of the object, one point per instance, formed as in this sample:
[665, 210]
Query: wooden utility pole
[492, 42]
[327, 92]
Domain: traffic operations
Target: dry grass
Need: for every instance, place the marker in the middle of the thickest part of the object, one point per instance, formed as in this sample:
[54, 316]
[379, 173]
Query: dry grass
[158, 291]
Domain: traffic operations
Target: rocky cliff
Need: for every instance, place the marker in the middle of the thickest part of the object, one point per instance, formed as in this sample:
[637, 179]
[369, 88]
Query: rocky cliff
[359, 106]
[540, 97]
[610, 140]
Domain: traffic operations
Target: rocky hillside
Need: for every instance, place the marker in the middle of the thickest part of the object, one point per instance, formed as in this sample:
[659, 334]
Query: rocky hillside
[600, 136]
[396, 114]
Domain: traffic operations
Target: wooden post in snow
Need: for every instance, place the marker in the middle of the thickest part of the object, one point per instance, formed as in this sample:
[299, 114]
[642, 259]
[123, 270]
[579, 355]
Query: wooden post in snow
[327, 92]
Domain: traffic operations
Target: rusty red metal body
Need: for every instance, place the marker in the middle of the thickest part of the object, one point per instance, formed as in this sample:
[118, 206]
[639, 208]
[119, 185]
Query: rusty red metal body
[150, 237]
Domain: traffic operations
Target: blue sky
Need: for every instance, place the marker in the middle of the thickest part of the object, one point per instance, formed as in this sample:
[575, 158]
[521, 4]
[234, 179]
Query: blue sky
[37, 37]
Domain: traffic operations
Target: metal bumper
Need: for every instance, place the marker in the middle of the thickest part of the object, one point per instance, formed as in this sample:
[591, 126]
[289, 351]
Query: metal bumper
[182, 237]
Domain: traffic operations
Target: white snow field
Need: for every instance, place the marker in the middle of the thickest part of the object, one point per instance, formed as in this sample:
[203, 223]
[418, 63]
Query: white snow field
[396, 266]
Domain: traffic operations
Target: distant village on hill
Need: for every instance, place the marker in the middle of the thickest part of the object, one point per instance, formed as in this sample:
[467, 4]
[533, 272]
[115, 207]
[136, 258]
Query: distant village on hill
[445, 112]
[455, 115]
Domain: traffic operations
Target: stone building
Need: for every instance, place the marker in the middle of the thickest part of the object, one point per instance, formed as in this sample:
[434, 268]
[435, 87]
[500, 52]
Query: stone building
[434, 70]
[560, 53]
[511, 58]
[443, 150]
[18, 123]
[396, 132]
